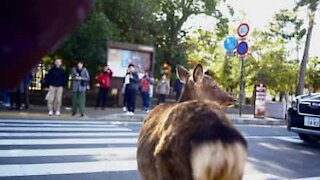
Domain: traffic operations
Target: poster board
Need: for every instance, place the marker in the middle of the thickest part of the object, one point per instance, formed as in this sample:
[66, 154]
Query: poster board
[120, 55]
[260, 101]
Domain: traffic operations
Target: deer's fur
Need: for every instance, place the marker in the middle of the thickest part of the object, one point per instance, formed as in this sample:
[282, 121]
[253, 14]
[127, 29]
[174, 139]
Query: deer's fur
[193, 139]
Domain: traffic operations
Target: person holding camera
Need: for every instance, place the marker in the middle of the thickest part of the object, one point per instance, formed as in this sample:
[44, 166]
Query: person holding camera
[80, 82]
[104, 84]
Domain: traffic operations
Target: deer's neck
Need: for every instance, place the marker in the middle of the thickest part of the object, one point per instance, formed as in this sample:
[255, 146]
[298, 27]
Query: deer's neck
[186, 95]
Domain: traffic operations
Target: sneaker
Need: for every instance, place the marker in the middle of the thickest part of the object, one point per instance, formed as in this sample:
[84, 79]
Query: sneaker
[82, 115]
[124, 109]
[127, 113]
[50, 113]
[73, 114]
[131, 114]
[58, 113]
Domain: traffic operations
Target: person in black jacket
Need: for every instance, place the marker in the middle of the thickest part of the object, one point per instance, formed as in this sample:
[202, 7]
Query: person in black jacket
[131, 82]
[56, 80]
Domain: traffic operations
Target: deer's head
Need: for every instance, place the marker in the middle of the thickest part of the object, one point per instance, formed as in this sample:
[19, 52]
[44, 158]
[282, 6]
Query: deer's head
[202, 87]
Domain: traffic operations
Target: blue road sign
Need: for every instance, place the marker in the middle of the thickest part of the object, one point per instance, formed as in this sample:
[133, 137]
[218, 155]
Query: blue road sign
[242, 48]
[230, 43]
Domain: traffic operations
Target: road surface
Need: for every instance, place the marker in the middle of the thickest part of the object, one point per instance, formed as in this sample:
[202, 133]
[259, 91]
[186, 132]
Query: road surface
[65, 149]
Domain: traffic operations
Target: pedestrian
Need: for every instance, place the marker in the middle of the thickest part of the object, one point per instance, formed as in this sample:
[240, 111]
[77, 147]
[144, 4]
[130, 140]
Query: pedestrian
[24, 89]
[80, 82]
[145, 91]
[5, 98]
[177, 88]
[151, 88]
[104, 84]
[163, 89]
[56, 80]
[15, 98]
[123, 92]
[131, 82]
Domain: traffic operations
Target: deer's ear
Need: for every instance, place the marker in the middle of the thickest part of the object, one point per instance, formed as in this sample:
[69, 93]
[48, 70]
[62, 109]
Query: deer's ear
[182, 73]
[198, 73]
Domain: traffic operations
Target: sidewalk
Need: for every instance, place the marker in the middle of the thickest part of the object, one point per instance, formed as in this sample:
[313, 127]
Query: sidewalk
[116, 114]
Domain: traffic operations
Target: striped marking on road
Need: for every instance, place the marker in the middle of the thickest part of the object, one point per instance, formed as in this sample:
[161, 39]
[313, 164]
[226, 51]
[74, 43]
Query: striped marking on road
[66, 168]
[89, 167]
[262, 176]
[60, 129]
[309, 178]
[57, 125]
[116, 153]
[51, 121]
[269, 137]
[69, 134]
[8, 142]
[290, 139]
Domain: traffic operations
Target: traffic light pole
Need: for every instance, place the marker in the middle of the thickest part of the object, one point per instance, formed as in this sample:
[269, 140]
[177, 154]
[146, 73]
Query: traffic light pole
[242, 86]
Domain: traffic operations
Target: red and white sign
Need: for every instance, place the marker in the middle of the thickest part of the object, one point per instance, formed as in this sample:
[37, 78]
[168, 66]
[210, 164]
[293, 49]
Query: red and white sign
[243, 30]
[260, 101]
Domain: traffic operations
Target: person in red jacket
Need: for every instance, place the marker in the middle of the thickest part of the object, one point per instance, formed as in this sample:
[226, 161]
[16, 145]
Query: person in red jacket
[104, 81]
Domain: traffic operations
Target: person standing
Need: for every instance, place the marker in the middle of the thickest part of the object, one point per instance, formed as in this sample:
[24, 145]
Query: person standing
[80, 81]
[145, 92]
[123, 92]
[104, 84]
[131, 82]
[56, 79]
[163, 89]
[177, 88]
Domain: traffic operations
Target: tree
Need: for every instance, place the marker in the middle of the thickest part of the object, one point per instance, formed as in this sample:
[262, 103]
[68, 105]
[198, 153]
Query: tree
[287, 26]
[88, 41]
[313, 74]
[312, 7]
[170, 19]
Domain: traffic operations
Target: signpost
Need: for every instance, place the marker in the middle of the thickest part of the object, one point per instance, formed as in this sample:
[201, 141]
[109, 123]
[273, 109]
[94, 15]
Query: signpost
[242, 50]
[230, 44]
[260, 101]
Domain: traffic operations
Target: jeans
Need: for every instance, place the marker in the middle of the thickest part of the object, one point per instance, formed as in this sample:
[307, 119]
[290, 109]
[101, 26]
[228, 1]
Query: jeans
[131, 99]
[145, 100]
[15, 97]
[161, 98]
[102, 97]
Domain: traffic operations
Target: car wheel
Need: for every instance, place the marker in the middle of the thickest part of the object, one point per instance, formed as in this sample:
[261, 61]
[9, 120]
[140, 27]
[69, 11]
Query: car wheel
[309, 138]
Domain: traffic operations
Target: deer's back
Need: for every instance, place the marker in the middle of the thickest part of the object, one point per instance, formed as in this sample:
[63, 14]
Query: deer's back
[171, 133]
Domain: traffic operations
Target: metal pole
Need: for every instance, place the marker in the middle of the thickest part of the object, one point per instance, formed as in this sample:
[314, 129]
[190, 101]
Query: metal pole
[242, 93]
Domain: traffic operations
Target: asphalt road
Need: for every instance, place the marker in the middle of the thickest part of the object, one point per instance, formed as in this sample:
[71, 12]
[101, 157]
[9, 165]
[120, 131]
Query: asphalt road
[64, 149]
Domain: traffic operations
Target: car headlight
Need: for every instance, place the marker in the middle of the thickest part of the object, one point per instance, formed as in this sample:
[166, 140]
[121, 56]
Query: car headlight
[294, 105]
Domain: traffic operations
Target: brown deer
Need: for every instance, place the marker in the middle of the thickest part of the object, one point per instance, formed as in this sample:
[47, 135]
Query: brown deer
[193, 139]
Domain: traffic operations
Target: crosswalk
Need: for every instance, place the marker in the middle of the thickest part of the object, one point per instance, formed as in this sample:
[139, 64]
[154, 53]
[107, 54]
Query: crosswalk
[55, 147]
[42, 148]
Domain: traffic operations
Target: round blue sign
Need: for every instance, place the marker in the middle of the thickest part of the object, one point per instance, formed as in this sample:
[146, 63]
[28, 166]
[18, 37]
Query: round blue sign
[230, 43]
[242, 48]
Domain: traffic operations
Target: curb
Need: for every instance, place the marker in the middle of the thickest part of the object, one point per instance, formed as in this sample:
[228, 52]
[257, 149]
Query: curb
[237, 121]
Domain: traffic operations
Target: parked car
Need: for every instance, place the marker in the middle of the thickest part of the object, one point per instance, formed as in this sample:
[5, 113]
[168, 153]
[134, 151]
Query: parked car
[304, 117]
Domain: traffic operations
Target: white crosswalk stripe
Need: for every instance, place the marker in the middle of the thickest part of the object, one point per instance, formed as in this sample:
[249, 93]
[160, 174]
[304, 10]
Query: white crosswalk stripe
[42, 146]
[38, 140]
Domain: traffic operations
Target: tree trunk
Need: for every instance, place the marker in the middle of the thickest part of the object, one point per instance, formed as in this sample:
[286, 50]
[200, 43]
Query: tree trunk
[300, 86]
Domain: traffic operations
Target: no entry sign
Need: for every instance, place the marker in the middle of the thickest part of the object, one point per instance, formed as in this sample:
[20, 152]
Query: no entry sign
[243, 30]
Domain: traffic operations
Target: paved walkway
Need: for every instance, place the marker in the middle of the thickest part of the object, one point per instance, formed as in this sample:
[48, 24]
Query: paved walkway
[116, 114]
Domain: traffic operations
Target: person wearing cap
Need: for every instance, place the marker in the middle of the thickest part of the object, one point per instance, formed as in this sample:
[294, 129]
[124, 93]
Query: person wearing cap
[103, 79]
[131, 81]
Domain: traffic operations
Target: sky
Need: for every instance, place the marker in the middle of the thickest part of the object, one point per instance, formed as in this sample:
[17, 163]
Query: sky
[258, 14]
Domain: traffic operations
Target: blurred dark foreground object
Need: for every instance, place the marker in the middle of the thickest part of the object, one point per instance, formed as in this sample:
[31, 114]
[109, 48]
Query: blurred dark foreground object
[29, 29]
